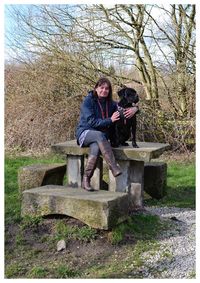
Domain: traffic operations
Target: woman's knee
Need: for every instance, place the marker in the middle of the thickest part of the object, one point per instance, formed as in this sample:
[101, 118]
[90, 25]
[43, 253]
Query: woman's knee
[93, 136]
[100, 136]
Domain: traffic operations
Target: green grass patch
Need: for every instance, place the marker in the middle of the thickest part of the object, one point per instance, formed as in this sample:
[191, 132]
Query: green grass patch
[64, 231]
[37, 272]
[180, 186]
[14, 270]
[29, 221]
[141, 226]
[63, 271]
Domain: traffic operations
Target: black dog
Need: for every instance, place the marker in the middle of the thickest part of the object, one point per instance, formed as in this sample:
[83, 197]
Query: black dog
[125, 128]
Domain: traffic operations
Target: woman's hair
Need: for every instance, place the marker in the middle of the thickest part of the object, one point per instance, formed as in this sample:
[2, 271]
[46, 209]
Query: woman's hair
[100, 82]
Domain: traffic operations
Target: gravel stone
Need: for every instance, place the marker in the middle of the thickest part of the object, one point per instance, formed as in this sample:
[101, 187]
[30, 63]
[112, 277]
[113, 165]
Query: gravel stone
[176, 257]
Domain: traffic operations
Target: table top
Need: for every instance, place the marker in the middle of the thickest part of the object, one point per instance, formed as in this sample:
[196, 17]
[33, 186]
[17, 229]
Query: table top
[145, 152]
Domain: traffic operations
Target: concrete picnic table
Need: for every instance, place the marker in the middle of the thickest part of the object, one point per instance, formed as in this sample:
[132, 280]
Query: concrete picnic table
[131, 161]
[101, 209]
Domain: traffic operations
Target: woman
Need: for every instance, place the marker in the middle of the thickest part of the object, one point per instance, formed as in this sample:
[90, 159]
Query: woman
[98, 113]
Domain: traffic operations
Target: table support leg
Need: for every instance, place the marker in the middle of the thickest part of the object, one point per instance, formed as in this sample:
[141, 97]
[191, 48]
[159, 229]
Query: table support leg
[97, 177]
[120, 183]
[131, 181]
[75, 167]
[136, 172]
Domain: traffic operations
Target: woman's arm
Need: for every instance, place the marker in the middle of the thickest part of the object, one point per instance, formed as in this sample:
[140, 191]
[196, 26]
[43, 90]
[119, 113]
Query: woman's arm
[131, 111]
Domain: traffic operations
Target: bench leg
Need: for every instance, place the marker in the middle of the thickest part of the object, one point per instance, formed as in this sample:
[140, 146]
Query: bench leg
[75, 170]
[75, 167]
[96, 180]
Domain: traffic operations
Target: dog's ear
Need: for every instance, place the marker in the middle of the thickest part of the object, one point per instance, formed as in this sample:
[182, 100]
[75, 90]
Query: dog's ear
[121, 90]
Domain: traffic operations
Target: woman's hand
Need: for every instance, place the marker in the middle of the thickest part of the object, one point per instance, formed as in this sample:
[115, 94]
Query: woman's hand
[115, 116]
[130, 112]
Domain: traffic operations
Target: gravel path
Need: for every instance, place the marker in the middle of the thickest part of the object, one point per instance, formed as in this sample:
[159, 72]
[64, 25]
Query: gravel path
[176, 256]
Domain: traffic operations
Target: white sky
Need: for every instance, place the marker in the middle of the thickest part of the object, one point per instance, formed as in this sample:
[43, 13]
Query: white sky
[10, 25]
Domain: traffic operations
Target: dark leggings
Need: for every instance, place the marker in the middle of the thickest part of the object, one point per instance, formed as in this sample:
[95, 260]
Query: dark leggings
[92, 139]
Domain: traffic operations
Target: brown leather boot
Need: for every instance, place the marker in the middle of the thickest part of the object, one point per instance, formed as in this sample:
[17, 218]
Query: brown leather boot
[88, 173]
[109, 157]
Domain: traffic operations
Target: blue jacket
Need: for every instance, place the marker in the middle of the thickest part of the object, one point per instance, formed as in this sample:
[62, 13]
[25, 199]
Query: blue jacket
[91, 115]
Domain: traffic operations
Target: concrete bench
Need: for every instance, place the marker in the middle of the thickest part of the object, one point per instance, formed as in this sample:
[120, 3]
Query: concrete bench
[100, 209]
[155, 179]
[37, 175]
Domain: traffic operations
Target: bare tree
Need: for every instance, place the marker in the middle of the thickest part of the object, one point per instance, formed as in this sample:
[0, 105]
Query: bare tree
[52, 30]
[101, 40]
[178, 32]
[133, 30]
[121, 27]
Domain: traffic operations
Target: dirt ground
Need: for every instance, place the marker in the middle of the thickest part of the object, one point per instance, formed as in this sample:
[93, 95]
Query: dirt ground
[37, 246]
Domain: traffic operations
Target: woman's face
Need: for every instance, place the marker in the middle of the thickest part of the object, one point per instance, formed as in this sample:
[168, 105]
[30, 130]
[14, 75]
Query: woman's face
[103, 90]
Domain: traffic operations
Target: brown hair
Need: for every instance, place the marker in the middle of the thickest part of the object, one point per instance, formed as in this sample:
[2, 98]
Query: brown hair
[100, 82]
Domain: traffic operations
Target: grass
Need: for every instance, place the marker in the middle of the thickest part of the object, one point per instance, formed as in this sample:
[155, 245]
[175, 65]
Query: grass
[64, 231]
[63, 271]
[138, 225]
[180, 186]
[29, 259]
[37, 272]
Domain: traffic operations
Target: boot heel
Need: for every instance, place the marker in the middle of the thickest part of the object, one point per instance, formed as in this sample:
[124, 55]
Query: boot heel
[117, 172]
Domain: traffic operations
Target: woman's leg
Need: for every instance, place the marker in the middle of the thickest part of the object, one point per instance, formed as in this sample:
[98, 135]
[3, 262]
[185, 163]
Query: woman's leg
[91, 141]
[96, 140]
[99, 138]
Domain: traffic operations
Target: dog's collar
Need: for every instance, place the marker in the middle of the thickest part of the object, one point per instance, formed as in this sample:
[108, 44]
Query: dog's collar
[121, 111]
[119, 107]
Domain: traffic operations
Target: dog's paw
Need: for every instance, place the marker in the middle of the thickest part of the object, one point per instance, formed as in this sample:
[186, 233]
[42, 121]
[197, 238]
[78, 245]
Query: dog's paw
[124, 144]
[135, 145]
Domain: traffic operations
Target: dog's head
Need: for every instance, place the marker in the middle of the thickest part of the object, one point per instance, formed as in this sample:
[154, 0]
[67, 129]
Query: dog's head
[128, 95]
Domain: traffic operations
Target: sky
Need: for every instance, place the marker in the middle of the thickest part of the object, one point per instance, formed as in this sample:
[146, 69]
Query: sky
[10, 28]
[9, 22]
